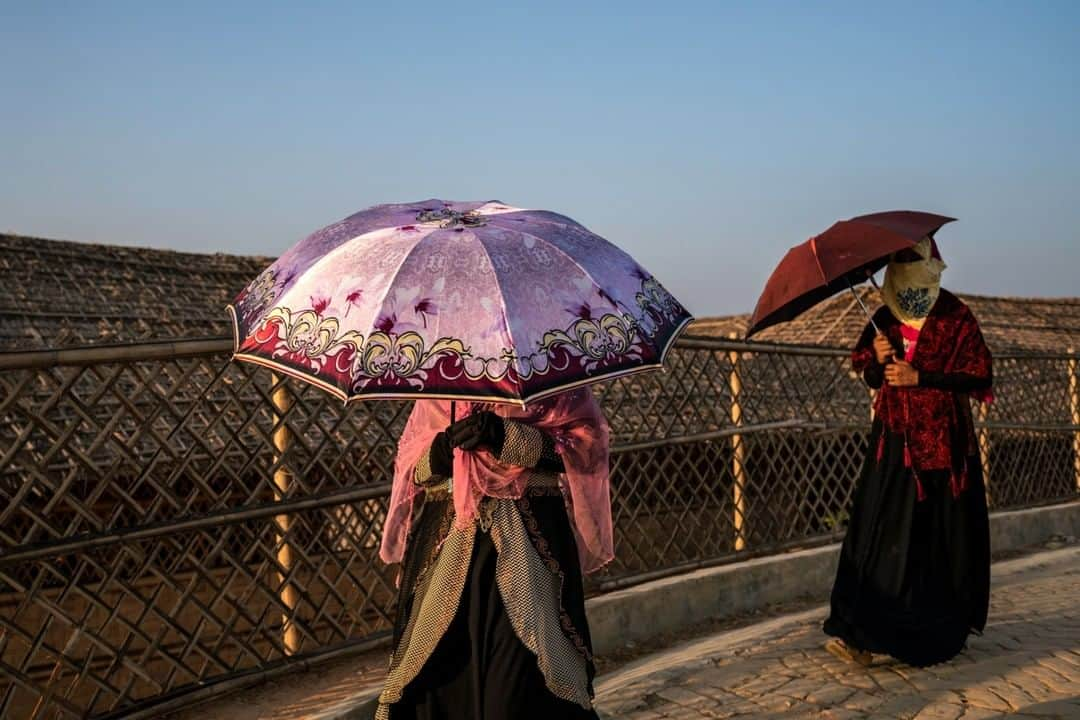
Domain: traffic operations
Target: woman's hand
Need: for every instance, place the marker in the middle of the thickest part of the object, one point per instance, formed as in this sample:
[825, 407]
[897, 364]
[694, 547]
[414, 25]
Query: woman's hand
[883, 349]
[479, 430]
[441, 456]
[901, 374]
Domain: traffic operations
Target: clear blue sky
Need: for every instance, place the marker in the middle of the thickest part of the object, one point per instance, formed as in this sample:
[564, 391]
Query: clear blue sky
[705, 138]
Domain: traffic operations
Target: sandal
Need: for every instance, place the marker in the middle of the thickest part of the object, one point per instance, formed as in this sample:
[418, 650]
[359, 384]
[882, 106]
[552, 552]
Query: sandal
[842, 650]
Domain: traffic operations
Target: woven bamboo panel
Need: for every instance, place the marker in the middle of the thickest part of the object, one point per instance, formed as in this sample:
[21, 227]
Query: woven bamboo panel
[170, 522]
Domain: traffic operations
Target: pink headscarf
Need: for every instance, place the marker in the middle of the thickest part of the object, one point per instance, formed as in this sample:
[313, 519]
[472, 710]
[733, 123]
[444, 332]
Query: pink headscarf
[572, 418]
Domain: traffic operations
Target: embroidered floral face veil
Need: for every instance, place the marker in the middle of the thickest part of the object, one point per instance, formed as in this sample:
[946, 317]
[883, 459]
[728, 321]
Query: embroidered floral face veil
[913, 282]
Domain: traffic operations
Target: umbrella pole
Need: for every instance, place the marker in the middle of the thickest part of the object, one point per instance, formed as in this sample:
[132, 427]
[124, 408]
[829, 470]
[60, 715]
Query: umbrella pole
[865, 309]
[870, 277]
[453, 419]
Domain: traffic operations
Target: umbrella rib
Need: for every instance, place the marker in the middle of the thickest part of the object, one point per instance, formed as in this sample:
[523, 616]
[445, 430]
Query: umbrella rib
[570, 222]
[505, 314]
[865, 310]
[824, 334]
[390, 285]
[571, 258]
[813, 251]
[566, 254]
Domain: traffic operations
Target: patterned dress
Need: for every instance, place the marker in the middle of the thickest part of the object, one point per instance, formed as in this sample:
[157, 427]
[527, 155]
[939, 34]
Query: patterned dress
[914, 574]
[491, 618]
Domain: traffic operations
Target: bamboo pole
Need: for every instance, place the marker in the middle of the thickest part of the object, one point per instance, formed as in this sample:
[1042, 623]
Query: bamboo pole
[984, 449]
[738, 453]
[45, 699]
[126, 352]
[282, 401]
[1074, 406]
[205, 347]
[82, 543]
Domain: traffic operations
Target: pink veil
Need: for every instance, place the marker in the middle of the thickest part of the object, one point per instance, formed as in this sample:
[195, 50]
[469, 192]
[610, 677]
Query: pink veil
[572, 418]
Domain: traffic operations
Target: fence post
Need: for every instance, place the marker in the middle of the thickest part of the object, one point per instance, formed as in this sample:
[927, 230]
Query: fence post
[282, 401]
[738, 452]
[984, 449]
[1074, 406]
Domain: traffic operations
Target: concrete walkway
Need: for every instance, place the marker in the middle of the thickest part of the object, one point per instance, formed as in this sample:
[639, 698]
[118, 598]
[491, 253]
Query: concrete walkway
[1027, 664]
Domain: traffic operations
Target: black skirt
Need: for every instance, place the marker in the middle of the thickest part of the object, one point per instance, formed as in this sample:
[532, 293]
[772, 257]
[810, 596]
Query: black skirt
[914, 576]
[480, 669]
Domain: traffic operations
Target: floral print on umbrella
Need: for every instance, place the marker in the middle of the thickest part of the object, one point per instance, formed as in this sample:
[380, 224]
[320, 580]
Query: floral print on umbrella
[482, 301]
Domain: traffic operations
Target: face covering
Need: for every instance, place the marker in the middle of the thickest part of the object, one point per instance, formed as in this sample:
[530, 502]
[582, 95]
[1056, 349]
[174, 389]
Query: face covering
[911, 288]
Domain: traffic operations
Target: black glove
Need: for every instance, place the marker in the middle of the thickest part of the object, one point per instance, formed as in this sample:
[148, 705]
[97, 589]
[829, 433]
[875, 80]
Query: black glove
[479, 430]
[441, 456]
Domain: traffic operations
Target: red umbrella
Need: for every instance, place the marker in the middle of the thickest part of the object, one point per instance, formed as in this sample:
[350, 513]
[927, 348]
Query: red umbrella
[846, 254]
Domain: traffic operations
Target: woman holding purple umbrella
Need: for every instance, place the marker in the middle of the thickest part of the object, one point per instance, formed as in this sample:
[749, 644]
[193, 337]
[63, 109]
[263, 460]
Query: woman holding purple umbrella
[914, 573]
[494, 517]
[500, 499]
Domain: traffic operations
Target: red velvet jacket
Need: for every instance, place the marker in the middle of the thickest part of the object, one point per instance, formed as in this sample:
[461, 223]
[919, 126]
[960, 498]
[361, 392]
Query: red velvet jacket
[953, 362]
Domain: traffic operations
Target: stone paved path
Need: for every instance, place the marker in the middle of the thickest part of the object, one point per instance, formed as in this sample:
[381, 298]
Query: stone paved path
[1027, 664]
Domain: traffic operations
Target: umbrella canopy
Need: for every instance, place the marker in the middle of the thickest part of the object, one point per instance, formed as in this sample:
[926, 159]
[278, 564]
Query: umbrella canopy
[846, 254]
[457, 300]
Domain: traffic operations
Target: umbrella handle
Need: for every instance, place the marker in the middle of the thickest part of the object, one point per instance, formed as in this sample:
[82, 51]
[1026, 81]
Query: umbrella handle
[865, 309]
[877, 287]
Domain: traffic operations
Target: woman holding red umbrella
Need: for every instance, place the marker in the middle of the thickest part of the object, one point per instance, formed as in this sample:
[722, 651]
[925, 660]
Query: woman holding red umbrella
[914, 574]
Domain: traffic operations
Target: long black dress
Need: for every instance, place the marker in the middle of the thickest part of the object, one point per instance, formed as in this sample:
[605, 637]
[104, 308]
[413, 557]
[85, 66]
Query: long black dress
[491, 618]
[480, 668]
[914, 575]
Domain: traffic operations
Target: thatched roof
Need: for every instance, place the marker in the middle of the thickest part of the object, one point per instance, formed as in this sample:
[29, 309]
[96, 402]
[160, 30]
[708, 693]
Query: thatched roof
[56, 293]
[1008, 323]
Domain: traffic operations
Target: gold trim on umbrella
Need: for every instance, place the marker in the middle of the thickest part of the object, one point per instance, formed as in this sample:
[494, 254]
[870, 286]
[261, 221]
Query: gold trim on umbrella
[346, 398]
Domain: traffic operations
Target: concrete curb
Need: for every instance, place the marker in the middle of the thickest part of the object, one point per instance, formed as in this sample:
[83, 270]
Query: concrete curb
[672, 604]
[678, 602]
[675, 603]
[1016, 529]
[727, 642]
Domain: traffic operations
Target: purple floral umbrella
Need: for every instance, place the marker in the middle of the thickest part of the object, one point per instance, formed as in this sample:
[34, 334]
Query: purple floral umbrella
[463, 300]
